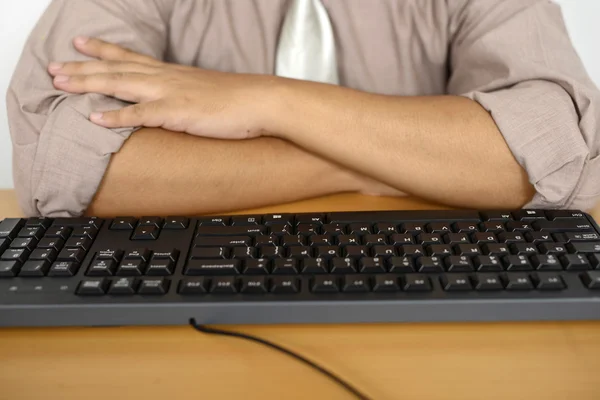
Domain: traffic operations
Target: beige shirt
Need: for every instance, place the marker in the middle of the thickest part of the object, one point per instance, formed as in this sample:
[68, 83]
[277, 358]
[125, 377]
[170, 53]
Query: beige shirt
[514, 57]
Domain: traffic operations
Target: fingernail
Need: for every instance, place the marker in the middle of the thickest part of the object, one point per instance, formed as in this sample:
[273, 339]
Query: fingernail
[96, 116]
[61, 79]
[55, 66]
[81, 40]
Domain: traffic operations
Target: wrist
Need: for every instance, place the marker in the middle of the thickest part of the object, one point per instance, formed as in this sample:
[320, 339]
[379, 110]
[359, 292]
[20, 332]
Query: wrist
[277, 107]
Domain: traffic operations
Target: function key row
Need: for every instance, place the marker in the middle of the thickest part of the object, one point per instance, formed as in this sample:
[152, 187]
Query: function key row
[130, 223]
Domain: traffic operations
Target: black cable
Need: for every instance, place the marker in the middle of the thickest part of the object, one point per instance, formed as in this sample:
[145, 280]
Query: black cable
[340, 381]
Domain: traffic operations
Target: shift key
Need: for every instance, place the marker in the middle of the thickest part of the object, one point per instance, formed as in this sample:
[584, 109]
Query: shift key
[212, 267]
[223, 241]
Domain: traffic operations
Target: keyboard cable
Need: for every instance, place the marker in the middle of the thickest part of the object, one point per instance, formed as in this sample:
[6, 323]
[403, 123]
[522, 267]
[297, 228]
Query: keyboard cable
[329, 374]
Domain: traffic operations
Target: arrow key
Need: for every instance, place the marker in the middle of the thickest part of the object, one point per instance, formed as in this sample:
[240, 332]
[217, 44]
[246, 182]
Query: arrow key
[145, 233]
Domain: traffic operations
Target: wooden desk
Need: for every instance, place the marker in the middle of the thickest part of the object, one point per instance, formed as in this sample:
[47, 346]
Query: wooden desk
[388, 361]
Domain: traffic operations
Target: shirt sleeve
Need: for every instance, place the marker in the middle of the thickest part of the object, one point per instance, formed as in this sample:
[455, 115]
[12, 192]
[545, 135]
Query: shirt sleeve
[515, 58]
[60, 156]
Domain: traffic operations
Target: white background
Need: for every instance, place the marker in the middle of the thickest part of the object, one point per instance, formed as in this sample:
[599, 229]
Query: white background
[18, 17]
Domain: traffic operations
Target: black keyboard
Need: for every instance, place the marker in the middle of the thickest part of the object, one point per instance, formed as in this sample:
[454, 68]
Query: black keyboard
[379, 266]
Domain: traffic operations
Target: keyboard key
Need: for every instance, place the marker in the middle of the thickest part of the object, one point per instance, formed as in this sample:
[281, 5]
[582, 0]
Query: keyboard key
[254, 285]
[309, 219]
[299, 252]
[523, 248]
[293, 240]
[250, 230]
[145, 233]
[538, 237]
[546, 262]
[325, 284]
[413, 228]
[518, 226]
[223, 285]
[285, 266]
[243, 252]
[132, 268]
[584, 247]
[356, 252]
[372, 240]
[401, 264]
[160, 267]
[44, 254]
[19, 243]
[39, 221]
[552, 248]
[285, 229]
[320, 240]
[455, 282]
[456, 238]
[32, 232]
[271, 219]
[92, 287]
[563, 225]
[348, 240]
[517, 281]
[416, 283]
[564, 214]
[79, 222]
[495, 249]
[548, 281]
[581, 237]
[102, 268]
[151, 221]
[594, 260]
[360, 228]
[85, 231]
[8, 269]
[214, 221]
[271, 252]
[458, 264]
[371, 265]
[487, 263]
[429, 238]
[49, 243]
[192, 286]
[333, 229]
[440, 250]
[35, 268]
[385, 228]
[110, 254]
[212, 267]
[465, 227]
[383, 251]
[343, 266]
[314, 266]
[232, 241]
[386, 283]
[63, 269]
[486, 281]
[256, 267]
[10, 227]
[591, 279]
[402, 238]
[306, 229]
[19, 255]
[411, 250]
[200, 253]
[484, 237]
[517, 263]
[438, 227]
[123, 224]
[356, 284]
[430, 264]
[5, 243]
[284, 285]
[153, 286]
[176, 223]
[164, 254]
[123, 286]
[328, 251]
[575, 262]
[140, 253]
[497, 216]
[467, 249]
[493, 227]
[511, 237]
[529, 215]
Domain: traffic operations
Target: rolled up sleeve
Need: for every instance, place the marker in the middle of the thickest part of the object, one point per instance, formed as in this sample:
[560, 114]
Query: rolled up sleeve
[515, 58]
[60, 157]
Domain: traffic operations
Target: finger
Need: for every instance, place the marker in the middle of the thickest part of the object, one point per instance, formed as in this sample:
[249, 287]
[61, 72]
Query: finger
[128, 86]
[98, 67]
[108, 51]
[142, 114]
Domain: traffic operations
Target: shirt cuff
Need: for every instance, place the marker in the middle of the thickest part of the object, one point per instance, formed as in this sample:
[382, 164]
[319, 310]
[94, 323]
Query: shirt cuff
[541, 126]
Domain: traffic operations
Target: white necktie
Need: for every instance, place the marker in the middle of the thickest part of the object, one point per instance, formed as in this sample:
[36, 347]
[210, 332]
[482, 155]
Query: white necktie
[306, 48]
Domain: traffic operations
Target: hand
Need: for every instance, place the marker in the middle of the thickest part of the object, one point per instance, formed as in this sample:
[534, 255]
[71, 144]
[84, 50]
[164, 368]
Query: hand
[174, 97]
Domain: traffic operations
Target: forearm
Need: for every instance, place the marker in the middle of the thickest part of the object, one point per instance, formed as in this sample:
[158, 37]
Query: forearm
[159, 172]
[443, 148]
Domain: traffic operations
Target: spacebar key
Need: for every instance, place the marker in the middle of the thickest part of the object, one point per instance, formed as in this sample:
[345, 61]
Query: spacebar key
[212, 267]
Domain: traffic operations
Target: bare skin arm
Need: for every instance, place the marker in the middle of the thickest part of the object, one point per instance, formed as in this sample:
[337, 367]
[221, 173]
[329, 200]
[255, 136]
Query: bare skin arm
[159, 172]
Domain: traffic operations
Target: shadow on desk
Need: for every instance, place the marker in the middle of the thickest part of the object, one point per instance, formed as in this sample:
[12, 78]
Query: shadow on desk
[387, 361]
